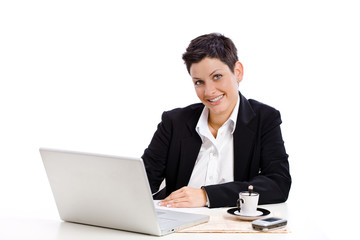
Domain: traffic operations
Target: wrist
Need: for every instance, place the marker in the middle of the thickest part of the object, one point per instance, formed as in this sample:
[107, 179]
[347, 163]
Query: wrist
[207, 204]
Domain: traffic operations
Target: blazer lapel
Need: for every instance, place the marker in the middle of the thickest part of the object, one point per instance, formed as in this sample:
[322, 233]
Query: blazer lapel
[243, 139]
[190, 147]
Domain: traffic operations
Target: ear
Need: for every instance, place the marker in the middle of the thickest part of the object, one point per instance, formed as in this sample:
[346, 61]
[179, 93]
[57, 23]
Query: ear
[238, 71]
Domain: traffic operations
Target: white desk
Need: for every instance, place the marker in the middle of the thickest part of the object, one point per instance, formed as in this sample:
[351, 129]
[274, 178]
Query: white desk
[13, 228]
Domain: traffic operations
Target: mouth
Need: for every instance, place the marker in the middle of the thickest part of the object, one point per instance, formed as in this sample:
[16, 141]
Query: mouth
[216, 99]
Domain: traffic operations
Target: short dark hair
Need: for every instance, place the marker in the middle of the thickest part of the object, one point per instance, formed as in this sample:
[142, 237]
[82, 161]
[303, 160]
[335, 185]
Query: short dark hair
[213, 45]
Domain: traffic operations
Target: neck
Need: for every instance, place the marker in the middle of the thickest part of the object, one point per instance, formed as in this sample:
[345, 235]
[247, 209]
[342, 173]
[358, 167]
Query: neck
[217, 120]
[215, 123]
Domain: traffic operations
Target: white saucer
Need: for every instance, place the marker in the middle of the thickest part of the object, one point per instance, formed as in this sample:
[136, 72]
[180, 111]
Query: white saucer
[258, 213]
[261, 212]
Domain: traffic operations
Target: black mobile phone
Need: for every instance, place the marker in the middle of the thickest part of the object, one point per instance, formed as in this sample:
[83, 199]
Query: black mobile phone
[266, 224]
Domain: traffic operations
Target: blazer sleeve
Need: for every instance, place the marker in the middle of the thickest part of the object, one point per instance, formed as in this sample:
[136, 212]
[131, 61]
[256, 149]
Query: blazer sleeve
[268, 168]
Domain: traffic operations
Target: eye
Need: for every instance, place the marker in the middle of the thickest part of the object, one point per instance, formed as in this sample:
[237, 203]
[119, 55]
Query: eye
[198, 82]
[217, 76]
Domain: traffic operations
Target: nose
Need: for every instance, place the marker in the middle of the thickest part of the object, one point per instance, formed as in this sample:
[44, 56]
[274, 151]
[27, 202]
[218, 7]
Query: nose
[209, 88]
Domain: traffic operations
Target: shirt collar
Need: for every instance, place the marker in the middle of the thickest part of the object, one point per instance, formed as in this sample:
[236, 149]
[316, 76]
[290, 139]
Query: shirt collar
[202, 125]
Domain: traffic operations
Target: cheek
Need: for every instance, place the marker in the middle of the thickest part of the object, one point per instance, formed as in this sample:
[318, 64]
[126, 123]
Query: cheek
[233, 85]
[199, 92]
[201, 95]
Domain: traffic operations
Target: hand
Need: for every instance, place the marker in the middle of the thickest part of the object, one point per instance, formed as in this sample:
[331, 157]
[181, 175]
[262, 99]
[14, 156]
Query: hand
[185, 197]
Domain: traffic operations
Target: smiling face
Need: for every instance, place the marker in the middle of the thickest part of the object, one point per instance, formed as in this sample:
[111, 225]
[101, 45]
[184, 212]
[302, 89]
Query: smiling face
[217, 86]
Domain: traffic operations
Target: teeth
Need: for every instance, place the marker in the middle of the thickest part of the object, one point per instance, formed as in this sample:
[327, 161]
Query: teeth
[216, 99]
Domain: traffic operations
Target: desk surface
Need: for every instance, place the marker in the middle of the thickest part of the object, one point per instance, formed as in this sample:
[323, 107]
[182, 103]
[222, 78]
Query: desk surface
[34, 228]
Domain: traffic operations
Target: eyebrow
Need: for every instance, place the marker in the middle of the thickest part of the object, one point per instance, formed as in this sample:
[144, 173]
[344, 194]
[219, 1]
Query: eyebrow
[196, 78]
[214, 71]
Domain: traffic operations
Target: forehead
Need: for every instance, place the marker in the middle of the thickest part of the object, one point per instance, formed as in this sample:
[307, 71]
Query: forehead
[207, 66]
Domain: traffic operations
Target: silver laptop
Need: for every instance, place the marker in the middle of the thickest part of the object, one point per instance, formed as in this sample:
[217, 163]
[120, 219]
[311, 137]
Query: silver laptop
[110, 192]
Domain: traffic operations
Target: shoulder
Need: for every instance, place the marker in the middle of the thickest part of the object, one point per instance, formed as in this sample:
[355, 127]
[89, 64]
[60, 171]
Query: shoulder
[179, 119]
[265, 113]
[188, 112]
[259, 107]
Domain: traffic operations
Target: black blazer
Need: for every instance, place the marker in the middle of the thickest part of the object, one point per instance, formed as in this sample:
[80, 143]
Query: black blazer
[260, 158]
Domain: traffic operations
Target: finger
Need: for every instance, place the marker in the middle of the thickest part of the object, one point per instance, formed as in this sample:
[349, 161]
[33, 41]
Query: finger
[173, 199]
[185, 197]
[176, 203]
[175, 195]
[184, 201]
[190, 197]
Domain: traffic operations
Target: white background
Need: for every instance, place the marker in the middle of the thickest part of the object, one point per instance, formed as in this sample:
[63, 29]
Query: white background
[95, 76]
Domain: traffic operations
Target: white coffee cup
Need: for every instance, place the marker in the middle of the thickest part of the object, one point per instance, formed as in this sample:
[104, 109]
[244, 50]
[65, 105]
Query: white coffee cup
[248, 203]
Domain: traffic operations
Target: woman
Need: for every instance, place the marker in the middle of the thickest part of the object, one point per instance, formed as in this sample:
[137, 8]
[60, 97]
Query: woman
[209, 152]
